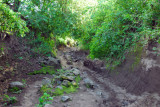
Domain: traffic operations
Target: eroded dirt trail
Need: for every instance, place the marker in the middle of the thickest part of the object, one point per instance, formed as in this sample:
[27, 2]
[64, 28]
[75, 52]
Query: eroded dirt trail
[116, 96]
[105, 93]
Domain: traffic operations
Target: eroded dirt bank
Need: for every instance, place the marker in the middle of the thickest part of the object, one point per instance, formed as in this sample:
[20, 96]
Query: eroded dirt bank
[137, 87]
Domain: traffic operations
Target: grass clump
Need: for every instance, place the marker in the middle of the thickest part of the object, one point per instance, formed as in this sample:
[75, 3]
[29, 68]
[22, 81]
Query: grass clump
[7, 100]
[15, 90]
[45, 99]
[45, 70]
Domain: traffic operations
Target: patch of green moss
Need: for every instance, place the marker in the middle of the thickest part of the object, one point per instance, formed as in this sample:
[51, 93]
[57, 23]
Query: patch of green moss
[46, 89]
[71, 88]
[45, 70]
[67, 90]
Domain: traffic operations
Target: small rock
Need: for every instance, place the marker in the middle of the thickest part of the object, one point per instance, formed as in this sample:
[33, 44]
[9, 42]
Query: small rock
[84, 75]
[99, 93]
[47, 82]
[66, 105]
[54, 76]
[125, 103]
[75, 60]
[65, 83]
[65, 98]
[68, 68]
[16, 84]
[60, 87]
[58, 82]
[68, 74]
[70, 78]
[40, 59]
[56, 61]
[89, 83]
[75, 71]
[50, 61]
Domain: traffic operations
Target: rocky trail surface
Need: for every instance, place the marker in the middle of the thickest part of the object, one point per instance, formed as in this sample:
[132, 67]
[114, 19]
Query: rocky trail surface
[102, 91]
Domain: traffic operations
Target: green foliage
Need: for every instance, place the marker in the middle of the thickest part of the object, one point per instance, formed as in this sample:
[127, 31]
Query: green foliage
[47, 19]
[46, 89]
[10, 21]
[41, 45]
[78, 79]
[24, 82]
[70, 88]
[15, 90]
[67, 90]
[45, 99]
[44, 70]
[48, 16]
[109, 29]
[115, 27]
[9, 100]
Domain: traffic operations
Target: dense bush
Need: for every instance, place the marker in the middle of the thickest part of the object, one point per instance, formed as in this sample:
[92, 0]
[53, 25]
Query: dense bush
[116, 27]
[11, 22]
[47, 19]
[48, 16]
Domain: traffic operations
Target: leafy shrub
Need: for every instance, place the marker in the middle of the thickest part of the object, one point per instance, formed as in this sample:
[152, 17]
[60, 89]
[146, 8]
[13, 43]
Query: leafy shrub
[48, 16]
[9, 100]
[15, 90]
[116, 27]
[11, 22]
[41, 45]
[45, 99]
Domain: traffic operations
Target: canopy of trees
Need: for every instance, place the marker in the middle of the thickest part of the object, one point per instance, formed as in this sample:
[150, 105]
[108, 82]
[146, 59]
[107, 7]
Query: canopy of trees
[108, 28]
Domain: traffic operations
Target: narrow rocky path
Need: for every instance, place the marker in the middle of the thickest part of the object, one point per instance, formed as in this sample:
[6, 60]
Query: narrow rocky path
[104, 93]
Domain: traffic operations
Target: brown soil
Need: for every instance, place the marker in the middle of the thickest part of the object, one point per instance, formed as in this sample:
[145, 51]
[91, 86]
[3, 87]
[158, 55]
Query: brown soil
[14, 68]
